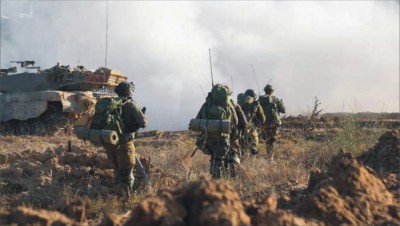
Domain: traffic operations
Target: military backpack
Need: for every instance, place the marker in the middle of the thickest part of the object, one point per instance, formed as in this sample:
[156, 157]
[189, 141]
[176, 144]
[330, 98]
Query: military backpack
[107, 115]
[271, 109]
[218, 104]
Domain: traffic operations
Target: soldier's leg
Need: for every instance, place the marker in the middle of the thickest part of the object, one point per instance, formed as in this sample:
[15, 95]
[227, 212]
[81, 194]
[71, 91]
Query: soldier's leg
[234, 159]
[111, 151]
[273, 136]
[210, 146]
[126, 163]
[220, 151]
[254, 142]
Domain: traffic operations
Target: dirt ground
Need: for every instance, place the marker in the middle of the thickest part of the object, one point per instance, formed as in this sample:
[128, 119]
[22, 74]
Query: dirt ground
[312, 182]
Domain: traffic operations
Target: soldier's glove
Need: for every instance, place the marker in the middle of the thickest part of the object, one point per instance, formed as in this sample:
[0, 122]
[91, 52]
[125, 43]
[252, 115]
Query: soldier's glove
[144, 110]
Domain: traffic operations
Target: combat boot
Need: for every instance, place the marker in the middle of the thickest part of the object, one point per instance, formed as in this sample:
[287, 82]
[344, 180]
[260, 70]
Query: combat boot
[233, 169]
[234, 163]
[253, 151]
[126, 182]
[270, 151]
[218, 170]
[211, 165]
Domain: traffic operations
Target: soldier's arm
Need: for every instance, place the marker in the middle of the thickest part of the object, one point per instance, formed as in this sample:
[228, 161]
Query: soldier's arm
[240, 114]
[234, 115]
[138, 115]
[281, 106]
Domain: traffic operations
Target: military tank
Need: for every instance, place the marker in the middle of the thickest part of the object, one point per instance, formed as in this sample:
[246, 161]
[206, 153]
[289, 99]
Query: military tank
[42, 102]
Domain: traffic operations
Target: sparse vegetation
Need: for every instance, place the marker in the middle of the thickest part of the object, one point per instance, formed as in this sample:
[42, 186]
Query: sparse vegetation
[167, 154]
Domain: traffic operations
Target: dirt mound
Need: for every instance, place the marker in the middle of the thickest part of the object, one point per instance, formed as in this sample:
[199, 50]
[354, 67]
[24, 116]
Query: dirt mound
[348, 193]
[69, 213]
[384, 156]
[263, 211]
[203, 202]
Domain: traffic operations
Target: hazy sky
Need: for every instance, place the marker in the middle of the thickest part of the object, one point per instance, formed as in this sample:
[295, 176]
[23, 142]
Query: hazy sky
[344, 53]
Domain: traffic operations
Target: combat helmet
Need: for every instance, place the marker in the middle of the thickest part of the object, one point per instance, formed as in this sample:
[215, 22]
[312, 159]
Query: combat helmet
[125, 89]
[250, 93]
[268, 88]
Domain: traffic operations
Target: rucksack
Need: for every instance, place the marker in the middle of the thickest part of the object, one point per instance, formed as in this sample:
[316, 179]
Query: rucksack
[218, 103]
[270, 108]
[107, 115]
[250, 109]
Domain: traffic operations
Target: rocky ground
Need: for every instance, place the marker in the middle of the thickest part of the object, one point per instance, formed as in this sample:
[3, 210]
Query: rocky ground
[42, 182]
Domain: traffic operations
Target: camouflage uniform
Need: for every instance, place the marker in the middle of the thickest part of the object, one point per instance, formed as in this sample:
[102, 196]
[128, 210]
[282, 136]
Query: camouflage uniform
[272, 107]
[255, 116]
[123, 155]
[234, 153]
[217, 145]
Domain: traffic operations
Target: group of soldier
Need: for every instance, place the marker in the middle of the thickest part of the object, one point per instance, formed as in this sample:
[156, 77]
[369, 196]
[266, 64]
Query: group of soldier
[247, 116]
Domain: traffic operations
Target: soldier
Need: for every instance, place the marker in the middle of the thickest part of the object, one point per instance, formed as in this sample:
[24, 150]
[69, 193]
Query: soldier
[240, 99]
[234, 152]
[217, 107]
[272, 107]
[123, 155]
[255, 117]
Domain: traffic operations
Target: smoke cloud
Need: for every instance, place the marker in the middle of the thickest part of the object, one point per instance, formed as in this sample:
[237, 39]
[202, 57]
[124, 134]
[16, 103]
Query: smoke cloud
[344, 53]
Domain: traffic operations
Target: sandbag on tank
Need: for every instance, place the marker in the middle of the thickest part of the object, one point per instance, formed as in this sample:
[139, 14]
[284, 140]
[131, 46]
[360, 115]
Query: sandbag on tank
[97, 135]
[210, 126]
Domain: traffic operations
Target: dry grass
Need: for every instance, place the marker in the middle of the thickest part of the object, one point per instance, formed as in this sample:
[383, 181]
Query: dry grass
[170, 154]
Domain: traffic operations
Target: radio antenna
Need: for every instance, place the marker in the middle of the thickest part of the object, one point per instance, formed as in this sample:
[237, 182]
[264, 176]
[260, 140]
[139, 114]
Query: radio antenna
[255, 77]
[105, 63]
[212, 76]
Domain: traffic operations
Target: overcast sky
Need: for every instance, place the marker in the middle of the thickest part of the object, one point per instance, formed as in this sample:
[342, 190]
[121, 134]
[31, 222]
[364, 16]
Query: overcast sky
[344, 53]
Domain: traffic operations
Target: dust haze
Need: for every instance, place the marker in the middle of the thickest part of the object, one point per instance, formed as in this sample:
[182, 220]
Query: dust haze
[345, 53]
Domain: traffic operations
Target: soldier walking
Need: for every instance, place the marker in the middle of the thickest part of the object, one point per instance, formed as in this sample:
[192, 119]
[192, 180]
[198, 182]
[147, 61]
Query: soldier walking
[255, 117]
[123, 155]
[272, 107]
[217, 107]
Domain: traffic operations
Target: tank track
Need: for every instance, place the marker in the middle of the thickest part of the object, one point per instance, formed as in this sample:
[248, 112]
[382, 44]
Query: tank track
[52, 121]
